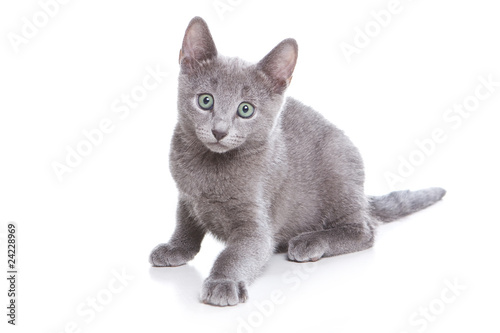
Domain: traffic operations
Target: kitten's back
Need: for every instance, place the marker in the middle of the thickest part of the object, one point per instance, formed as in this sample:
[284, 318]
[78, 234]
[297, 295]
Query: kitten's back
[323, 169]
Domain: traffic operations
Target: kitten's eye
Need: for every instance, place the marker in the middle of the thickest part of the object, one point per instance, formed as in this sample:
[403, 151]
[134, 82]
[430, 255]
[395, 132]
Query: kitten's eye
[206, 101]
[245, 110]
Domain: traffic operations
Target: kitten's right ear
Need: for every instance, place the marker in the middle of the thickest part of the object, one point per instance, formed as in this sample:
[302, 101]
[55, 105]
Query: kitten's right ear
[278, 65]
[197, 45]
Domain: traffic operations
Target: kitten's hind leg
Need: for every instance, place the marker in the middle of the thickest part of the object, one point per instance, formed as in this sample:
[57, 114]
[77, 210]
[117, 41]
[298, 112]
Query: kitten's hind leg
[352, 236]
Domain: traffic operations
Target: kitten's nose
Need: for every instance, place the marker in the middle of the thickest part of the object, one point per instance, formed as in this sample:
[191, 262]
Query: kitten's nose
[219, 135]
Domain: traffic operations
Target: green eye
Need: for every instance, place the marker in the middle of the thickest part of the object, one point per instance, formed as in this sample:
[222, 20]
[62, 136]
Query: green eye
[245, 110]
[206, 101]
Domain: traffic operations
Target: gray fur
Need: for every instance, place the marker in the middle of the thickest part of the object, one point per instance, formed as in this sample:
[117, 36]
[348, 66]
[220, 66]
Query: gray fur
[397, 204]
[284, 180]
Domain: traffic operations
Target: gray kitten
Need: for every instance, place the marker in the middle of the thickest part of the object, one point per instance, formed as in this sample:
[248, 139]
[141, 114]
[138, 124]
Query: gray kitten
[262, 172]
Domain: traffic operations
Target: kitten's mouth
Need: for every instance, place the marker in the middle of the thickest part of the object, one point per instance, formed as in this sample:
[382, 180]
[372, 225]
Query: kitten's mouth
[217, 147]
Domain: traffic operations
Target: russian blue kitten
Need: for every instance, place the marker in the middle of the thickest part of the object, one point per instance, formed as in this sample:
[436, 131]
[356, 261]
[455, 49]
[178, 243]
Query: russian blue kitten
[262, 172]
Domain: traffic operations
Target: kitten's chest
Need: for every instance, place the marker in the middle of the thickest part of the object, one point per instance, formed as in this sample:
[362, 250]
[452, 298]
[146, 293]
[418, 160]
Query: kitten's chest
[207, 181]
[213, 192]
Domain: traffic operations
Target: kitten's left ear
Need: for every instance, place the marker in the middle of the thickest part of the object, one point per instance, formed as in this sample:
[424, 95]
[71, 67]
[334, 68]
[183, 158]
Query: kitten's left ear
[279, 64]
[197, 45]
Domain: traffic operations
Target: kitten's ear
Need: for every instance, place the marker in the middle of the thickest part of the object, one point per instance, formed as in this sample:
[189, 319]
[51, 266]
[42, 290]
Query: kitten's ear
[197, 45]
[278, 64]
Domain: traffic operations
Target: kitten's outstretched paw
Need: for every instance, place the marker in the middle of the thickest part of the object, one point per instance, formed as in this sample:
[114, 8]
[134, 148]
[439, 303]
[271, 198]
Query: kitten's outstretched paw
[223, 292]
[165, 255]
[306, 247]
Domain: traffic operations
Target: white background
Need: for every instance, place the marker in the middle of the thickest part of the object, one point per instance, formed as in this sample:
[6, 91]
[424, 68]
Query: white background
[112, 209]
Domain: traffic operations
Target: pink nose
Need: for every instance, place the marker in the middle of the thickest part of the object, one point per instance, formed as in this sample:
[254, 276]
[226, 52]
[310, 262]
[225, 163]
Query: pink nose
[219, 135]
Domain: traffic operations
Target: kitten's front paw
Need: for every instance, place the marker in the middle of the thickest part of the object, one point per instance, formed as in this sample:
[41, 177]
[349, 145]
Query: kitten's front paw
[223, 292]
[306, 247]
[167, 255]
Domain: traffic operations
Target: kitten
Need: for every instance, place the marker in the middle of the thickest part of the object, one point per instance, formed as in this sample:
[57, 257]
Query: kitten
[262, 172]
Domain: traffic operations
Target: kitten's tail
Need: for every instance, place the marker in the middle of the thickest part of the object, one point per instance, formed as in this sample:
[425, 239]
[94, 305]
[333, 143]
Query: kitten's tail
[397, 204]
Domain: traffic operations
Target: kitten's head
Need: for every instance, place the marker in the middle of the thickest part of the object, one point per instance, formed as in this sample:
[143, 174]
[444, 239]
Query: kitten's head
[228, 103]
